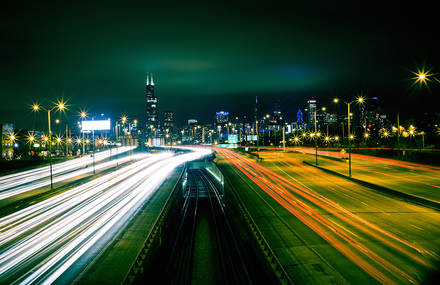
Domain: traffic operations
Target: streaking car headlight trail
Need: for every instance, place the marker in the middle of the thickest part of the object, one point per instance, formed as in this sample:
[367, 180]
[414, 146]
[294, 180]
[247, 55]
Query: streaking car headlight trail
[39, 243]
[62, 177]
[24, 177]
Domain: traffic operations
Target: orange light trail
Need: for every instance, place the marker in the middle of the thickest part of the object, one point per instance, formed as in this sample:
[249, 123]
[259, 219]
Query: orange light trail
[279, 189]
[388, 161]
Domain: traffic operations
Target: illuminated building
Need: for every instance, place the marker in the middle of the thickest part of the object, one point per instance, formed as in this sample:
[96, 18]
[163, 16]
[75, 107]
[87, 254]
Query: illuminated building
[311, 110]
[6, 149]
[151, 99]
[168, 119]
[192, 122]
[299, 117]
[221, 117]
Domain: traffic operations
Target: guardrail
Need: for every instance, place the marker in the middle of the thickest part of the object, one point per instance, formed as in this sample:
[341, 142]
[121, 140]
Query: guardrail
[269, 254]
[153, 237]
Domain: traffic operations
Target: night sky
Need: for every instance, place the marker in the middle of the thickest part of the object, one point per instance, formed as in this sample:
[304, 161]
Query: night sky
[208, 56]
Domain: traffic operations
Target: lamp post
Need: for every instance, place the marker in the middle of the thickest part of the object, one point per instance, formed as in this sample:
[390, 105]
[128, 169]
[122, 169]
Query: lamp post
[83, 115]
[350, 137]
[359, 100]
[284, 139]
[61, 106]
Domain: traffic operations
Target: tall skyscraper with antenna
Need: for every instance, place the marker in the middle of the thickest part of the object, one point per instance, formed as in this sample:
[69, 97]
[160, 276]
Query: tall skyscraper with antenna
[152, 115]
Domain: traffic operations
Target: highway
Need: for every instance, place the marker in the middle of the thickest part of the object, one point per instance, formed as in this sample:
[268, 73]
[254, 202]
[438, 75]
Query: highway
[415, 179]
[20, 182]
[375, 159]
[390, 240]
[43, 241]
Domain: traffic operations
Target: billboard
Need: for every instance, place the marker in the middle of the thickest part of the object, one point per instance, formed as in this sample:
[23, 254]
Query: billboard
[95, 125]
[232, 139]
[252, 138]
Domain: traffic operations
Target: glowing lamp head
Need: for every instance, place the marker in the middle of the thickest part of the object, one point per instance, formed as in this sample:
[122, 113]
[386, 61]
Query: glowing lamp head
[35, 107]
[351, 137]
[361, 100]
[335, 100]
[83, 114]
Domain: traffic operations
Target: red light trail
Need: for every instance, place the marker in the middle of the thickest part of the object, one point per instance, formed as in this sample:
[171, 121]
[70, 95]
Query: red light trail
[310, 207]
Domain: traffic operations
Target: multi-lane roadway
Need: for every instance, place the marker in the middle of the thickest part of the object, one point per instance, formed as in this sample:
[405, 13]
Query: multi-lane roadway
[328, 229]
[20, 182]
[44, 241]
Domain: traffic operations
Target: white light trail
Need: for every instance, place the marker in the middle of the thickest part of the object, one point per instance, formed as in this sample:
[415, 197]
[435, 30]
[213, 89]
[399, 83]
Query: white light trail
[39, 243]
[21, 182]
[19, 178]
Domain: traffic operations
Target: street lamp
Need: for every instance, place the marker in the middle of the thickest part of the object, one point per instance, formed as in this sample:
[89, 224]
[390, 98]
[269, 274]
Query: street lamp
[60, 106]
[30, 138]
[83, 115]
[359, 100]
[423, 76]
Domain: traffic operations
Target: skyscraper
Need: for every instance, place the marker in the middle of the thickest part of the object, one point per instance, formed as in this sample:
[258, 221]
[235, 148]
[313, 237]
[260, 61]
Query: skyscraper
[152, 118]
[221, 117]
[311, 110]
[168, 119]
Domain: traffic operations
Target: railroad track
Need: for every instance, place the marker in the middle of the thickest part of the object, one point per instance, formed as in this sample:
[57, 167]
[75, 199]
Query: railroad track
[222, 261]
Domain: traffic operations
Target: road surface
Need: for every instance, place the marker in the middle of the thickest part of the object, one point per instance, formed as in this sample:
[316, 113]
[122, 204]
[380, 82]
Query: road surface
[43, 241]
[389, 240]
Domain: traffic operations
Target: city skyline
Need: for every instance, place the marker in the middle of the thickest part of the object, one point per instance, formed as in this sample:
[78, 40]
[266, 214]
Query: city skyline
[281, 53]
[219, 142]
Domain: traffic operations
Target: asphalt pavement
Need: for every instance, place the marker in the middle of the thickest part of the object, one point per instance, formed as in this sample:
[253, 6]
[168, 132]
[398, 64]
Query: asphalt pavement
[326, 229]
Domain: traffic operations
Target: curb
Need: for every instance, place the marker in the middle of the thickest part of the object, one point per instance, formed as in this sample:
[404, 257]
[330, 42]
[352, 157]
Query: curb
[388, 191]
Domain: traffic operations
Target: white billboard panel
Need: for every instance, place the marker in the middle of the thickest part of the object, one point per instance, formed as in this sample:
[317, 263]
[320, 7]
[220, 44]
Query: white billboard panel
[95, 125]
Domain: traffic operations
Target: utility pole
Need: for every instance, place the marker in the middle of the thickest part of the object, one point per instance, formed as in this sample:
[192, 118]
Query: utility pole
[316, 143]
[256, 123]
[93, 139]
[67, 141]
[315, 122]
[50, 150]
[398, 132]
[284, 139]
